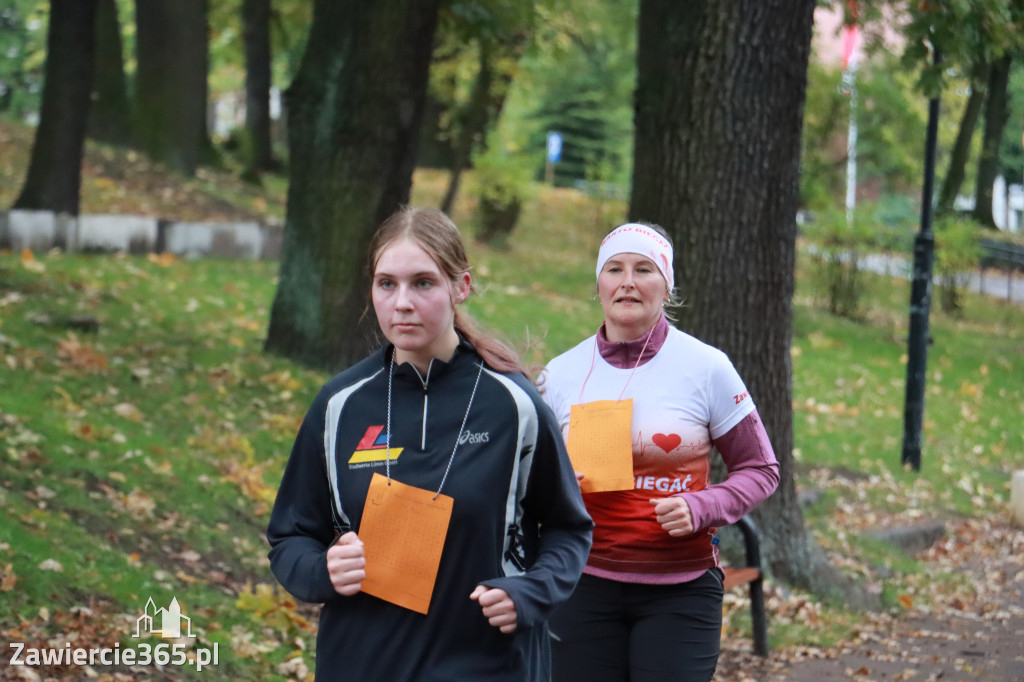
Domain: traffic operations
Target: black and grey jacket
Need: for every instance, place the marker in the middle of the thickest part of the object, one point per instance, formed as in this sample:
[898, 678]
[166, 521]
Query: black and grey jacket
[518, 521]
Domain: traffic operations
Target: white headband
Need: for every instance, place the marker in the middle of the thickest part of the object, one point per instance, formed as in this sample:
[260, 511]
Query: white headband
[642, 240]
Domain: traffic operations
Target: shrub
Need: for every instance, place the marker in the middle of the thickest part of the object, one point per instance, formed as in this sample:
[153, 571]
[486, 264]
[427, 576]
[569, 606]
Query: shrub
[501, 186]
[836, 250]
[957, 253]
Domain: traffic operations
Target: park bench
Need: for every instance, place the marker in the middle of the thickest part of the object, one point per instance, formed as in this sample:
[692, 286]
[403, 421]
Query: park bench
[751, 574]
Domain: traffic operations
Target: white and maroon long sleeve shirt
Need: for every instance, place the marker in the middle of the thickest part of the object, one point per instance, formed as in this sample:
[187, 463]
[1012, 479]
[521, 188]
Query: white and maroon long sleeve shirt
[687, 400]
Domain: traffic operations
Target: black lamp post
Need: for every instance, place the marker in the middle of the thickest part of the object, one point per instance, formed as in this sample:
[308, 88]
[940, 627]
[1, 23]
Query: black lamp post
[921, 298]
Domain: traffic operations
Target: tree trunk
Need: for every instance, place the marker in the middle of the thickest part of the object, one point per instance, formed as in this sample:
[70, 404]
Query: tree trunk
[997, 113]
[354, 112]
[54, 177]
[484, 106]
[958, 157]
[719, 112]
[472, 126]
[110, 117]
[172, 47]
[256, 33]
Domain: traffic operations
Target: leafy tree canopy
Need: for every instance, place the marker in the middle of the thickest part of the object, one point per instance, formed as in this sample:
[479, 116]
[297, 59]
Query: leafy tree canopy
[23, 25]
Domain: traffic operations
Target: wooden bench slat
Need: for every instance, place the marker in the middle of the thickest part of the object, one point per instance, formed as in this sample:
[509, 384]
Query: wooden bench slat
[740, 576]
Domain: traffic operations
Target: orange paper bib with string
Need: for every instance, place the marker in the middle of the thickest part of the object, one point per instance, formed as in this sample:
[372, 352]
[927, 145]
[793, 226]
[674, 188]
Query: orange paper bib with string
[403, 530]
[403, 527]
[600, 440]
[600, 444]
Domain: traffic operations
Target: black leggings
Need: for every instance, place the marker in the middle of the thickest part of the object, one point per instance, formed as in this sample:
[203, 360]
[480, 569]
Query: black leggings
[627, 632]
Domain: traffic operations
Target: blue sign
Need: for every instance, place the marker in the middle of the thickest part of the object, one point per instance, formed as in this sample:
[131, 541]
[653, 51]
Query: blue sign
[554, 147]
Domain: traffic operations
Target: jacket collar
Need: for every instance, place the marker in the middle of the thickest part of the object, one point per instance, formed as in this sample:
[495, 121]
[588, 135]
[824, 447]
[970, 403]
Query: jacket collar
[625, 354]
[437, 368]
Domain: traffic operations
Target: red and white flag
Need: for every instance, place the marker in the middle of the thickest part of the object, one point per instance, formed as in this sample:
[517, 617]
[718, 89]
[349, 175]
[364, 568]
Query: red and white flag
[851, 45]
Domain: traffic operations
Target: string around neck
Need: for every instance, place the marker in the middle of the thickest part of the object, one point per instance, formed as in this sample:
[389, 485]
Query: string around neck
[458, 436]
[638, 359]
[593, 359]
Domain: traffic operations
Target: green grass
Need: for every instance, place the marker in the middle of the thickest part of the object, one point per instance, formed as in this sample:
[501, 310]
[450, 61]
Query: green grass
[143, 457]
[849, 383]
[136, 456]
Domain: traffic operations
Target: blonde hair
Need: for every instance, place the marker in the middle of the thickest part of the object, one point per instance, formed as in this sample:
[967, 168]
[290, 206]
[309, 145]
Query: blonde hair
[437, 235]
[674, 299]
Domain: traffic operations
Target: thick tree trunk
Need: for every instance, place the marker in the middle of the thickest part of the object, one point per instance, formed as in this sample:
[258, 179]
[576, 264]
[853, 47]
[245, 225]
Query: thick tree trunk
[354, 113]
[170, 81]
[256, 33]
[54, 177]
[110, 116]
[961, 151]
[719, 112]
[997, 113]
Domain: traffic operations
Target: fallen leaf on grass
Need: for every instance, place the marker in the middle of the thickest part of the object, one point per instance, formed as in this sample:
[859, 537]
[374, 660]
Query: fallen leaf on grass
[294, 668]
[248, 324]
[29, 262]
[190, 555]
[7, 578]
[136, 503]
[186, 578]
[41, 492]
[66, 404]
[164, 467]
[273, 606]
[163, 260]
[242, 643]
[283, 380]
[77, 355]
[129, 412]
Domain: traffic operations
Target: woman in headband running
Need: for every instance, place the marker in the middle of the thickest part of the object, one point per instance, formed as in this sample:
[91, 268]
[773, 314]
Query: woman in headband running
[649, 605]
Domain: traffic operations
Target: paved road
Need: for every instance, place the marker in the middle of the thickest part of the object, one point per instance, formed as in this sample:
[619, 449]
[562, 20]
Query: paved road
[993, 282]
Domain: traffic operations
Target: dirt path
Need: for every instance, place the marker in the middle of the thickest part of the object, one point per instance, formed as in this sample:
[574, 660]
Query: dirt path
[956, 639]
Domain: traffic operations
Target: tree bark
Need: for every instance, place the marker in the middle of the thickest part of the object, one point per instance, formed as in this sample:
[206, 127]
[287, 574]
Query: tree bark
[997, 113]
[54, 177]
[110, 115]
[719, 112]
[172, 47]
[256, 36]
[961, 151]
[354, 112]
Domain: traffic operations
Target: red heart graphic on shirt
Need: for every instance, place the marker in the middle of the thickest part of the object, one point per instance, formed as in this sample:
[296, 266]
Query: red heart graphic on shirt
[667, 443]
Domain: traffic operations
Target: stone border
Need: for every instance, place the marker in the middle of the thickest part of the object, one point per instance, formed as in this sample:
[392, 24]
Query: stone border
[41, 231]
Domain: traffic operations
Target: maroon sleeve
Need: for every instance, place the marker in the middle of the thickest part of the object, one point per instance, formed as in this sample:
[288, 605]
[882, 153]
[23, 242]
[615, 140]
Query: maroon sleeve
[753, 476]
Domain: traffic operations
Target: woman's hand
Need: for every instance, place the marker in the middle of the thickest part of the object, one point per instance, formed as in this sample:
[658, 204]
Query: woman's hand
[346, 564]
[579, 478]
[498, 607]
[673, 513]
